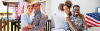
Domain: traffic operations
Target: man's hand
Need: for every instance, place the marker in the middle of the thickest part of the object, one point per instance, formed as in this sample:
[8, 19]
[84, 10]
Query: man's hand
[25, 29]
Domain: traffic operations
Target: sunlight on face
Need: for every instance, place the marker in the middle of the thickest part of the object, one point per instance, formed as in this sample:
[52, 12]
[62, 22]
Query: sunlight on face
[66, 9]
[76, 10]
[36, 6]
[30, 9]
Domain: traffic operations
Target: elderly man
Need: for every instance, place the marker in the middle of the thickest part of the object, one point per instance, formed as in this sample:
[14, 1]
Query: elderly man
[39, 19]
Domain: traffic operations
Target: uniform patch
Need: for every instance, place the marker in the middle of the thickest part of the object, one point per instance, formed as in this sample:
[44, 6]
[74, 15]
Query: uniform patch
[43, 16]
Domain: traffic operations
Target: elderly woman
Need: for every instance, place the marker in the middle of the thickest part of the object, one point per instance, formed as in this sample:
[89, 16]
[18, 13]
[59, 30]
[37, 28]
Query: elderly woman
[25, 18]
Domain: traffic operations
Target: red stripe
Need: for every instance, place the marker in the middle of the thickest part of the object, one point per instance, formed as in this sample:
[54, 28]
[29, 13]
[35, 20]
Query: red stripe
[91, 23]
[89, 26]
[20, 8]
[91, 20]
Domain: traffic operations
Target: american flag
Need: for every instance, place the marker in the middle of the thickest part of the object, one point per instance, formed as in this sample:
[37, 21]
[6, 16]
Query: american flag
[43, 5]
[93, 19]
[20, 7]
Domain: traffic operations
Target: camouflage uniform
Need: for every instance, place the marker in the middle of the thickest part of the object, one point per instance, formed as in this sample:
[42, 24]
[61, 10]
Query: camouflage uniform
[77, 23]
[39, 21]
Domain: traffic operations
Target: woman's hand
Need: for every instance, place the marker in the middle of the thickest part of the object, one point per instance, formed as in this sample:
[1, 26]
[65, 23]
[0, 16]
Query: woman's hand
[30, 26]
[85, 26]
[84, 22]
[25, 29]
[75, 30]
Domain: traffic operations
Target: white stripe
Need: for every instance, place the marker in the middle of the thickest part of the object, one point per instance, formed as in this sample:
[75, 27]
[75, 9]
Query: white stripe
[90, 24]
[92, 19]
[93, 23]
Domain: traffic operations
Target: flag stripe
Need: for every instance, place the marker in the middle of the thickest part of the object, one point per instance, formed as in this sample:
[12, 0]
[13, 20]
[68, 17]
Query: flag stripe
[89, 25]
[92, 20]
[92, 23]
[20, 7]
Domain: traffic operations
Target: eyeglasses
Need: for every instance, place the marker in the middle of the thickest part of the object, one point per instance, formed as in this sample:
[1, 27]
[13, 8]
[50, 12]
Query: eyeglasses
[76, 10]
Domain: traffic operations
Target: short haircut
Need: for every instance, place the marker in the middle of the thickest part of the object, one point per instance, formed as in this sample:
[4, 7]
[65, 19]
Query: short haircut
[76, 6]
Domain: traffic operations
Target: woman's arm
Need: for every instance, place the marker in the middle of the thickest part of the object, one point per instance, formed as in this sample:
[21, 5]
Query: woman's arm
[25, 22]
[70, 23]
[84, 23]
[30, 26]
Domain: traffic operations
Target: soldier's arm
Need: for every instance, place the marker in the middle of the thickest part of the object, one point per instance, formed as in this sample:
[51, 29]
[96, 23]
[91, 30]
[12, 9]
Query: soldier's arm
[24, 21]
[42, 24]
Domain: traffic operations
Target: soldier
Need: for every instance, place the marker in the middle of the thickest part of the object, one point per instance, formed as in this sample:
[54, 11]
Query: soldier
[76, 20]
[39, 20]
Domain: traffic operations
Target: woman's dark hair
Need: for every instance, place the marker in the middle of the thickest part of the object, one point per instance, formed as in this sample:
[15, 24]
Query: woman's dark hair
[70, 14]
[67, 3]
[76, 6]
[29, 5]
[61, 7]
